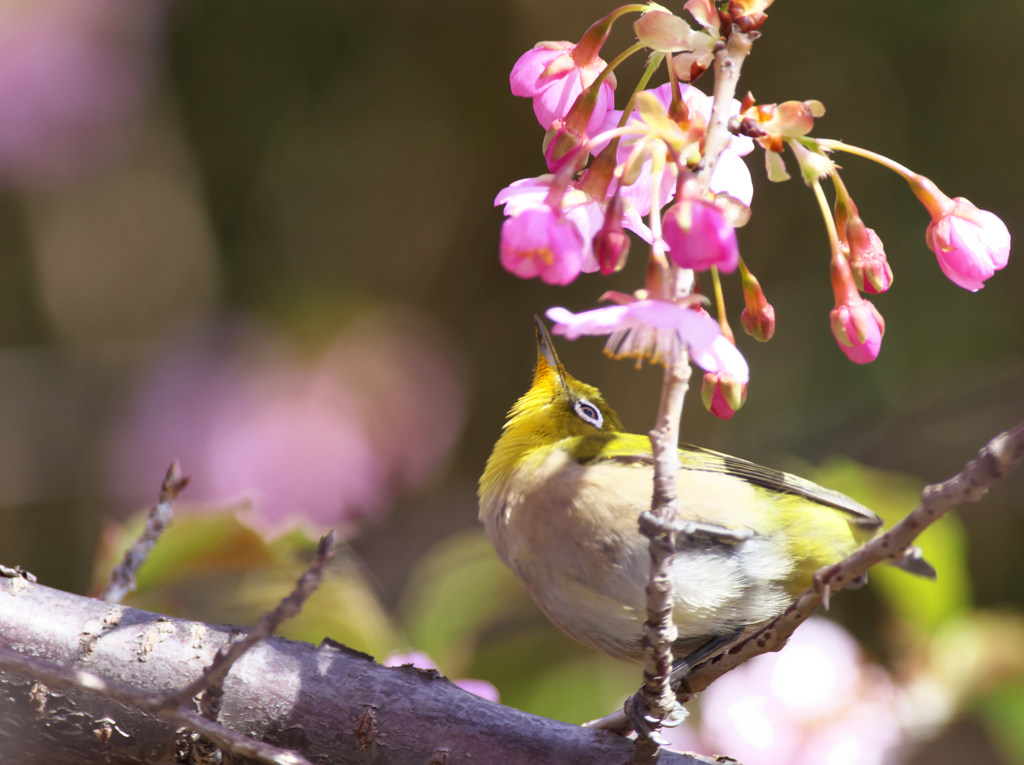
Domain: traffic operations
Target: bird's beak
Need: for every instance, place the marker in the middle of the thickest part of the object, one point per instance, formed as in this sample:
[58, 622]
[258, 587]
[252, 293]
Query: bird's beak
[548, 364]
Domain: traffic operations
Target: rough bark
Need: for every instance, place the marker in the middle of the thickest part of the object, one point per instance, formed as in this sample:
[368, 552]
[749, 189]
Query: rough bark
[329, 703]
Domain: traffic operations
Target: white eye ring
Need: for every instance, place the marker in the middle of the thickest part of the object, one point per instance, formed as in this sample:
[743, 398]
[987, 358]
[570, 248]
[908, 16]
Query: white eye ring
[588, 413]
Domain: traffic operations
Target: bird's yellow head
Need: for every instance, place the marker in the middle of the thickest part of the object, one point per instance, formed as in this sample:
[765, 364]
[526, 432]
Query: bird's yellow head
[556, 407]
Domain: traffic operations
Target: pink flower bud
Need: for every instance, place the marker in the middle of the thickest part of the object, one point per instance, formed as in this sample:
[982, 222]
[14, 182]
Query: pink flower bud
[970, 244]
[563, 146]
[858, 328]
[868, 264]
[758, 316]
[539, 242]
[722, 394]
[759, 324]
[857, 325]
[699, 236]
[611, 244]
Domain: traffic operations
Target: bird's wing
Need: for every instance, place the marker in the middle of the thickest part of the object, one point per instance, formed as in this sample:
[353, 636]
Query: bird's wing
[632, 447]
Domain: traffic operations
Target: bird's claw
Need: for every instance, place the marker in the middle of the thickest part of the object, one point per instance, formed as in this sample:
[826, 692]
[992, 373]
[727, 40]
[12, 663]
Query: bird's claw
[646, 725]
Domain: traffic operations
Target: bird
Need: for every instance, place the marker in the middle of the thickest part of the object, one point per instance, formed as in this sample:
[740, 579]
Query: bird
[560, 500]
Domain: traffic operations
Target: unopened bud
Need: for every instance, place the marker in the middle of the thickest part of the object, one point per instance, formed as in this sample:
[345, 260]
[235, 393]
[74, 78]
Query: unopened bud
[722, 394]
[758, 316]
[868, 264]
[563, 146]
[856, 324]
[611, 243]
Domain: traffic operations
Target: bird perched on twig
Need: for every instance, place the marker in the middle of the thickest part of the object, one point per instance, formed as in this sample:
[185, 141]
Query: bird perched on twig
[562, 493]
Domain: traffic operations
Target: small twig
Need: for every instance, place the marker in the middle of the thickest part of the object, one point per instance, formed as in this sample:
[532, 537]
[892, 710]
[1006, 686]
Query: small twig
[211, 682]
[995, 460]
[122, 577]
[56, 675]
[655, 699]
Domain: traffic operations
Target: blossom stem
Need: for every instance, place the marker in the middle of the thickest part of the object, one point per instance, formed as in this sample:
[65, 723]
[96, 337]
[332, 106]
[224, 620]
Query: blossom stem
[723, 322]
[652, 67]
[937, 203]
[607, 71]
[657, 171]
[594, 38]
[826, 212]
[896, 167]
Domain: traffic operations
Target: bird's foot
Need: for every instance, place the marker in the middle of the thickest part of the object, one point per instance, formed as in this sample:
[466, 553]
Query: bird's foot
[646, 724]
[651, 525]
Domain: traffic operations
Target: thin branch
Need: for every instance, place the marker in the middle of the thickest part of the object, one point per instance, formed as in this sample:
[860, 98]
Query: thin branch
[655, 701]
[995, 460]
[122, 577]
[211, 683]
[55, 675]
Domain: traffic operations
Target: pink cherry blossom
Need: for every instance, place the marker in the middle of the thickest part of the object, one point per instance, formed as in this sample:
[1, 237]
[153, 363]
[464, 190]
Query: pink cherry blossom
[660, 330]
[551, 77]
[731, 175]
[970, 244]
[73, 76]
[543, 244]
[699, 236]
[858, 328]
[540, 242]
[324, 442]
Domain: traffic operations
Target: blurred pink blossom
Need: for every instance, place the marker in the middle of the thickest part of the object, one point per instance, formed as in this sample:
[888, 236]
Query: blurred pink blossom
[327, 442]
[419, 659]
[73, 73]
[816, 702]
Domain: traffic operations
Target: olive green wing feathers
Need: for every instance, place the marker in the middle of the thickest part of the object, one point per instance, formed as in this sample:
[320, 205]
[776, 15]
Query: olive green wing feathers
[631, 447]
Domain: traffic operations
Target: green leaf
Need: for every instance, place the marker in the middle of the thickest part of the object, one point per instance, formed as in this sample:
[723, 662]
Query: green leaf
[212, 567]
[195, 544]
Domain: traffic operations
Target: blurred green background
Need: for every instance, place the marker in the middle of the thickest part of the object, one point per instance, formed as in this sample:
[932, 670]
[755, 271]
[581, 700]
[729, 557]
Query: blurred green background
[279, 214]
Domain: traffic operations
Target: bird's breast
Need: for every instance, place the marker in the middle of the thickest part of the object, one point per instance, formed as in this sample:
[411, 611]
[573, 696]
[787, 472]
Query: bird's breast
[569, 531]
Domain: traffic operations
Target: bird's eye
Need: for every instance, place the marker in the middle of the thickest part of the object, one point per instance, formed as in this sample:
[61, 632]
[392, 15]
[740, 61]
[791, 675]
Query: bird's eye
[588, 413]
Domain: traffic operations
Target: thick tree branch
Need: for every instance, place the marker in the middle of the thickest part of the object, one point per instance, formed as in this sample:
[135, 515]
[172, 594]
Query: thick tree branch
[327, 702]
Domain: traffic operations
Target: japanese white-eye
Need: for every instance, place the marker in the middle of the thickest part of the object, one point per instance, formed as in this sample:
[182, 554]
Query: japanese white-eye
[562, 494]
